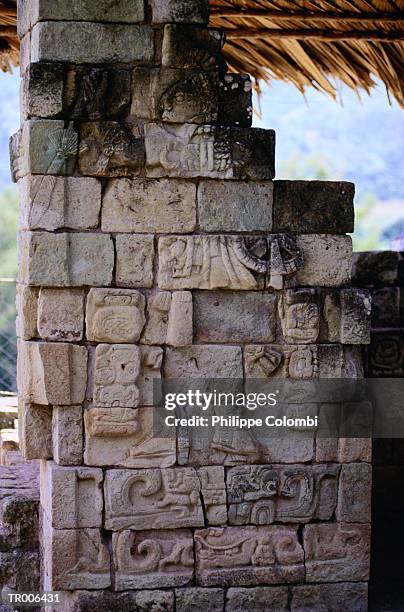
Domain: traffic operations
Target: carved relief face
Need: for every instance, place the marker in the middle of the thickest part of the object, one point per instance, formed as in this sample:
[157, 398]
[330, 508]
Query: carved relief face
[188, 100]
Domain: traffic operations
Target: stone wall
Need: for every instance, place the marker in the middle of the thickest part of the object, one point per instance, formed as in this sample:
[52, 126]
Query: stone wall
[154, 243]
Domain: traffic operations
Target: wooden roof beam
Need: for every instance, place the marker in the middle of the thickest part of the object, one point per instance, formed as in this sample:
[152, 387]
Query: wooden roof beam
[250, 33]
[277, 15]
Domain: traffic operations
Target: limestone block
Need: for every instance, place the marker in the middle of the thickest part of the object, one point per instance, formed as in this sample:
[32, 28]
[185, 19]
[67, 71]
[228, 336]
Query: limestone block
[354, 449]
[355, 318]
[213, 492]
[42, 91]
[61, 314]
[203, 362]
[153, 559]
[248, 556]
[152, 601]
[65, 259]
[259, 599]
[35, 430]
[150, 375]
[327, 260]
[52, 373]
[335, 552]
[182, 11]
[375, 267]
[331, 597]
[74, 42]
[124, 437]
[158, 308]
[71, 497]
[302, 207]
[225, 206]
[190, 47]
[152, 499]
[297, 362]
[265, 494]
[235, 100]
[229, 316]
[192, 150]
[149, 206]
[354, 495]
[299, 313]
[115, 315]
[134, 260]
[67, 434]
[74, 559]
[117, 368]
[52, 202]
[196, 598]
[385, 354]
[180, 320]
[27, 312]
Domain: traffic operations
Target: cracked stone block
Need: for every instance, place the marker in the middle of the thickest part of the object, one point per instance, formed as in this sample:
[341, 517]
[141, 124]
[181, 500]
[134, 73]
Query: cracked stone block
[235, 100]
[35, 430]
[52, 202]
[213, 490]
[194, 599]
[331, 597]
[335, 552]
[227, 206]
[259, 599]
[67, 434]
[116, 371]
[134, 260]
[142, 205]
[96, 601]
[193, 48]
[180, 11]
[115, 315]
[354, 495]
[71, 497]
[321, 252]
[180, 328]
[61, 314]
[153, 559]
[203, 362]
[27, 312]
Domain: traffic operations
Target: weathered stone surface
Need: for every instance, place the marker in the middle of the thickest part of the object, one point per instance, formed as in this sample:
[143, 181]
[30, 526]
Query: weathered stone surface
[375, 267]
[225, 206]
[35, 430]
[115, 315]
[183, 11]
[74, 559]
[67, 434]
[149, 206]
[354, 449]
[51, 202]
[331, 597]
[190, 150]
[355, 320]
[300, 316]
[27, 312]
[386, 307]
[354, 495]
[109, 148]
[65, 259]
[234, 556]
[71, 497]
[52, 373]
[117, 368]
[234, 317]
[42, 91]
[195, 598]
[151, 358]
[134, 260]
[152, 499]
[311, 207]
[115, 43]
[260, 599]
[191, 47]
[203, 362]
[124, 437]
[213, 490]
[97, 601]
[235, 100]
[385, 354]
[335, 552]
[158, 309]
[297, 362]
[180, 319]
[153, 559]
[61, 314]
[321, 254]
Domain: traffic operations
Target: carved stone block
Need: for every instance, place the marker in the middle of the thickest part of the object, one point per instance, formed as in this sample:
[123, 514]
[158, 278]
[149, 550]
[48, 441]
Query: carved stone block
[180, 11]
[259, 599]
[385, 354]
[158, 309]
[52, 373]
[27, 312]
[191, 150]
[110, 149]
[151, 358]
[234, 317]
[52, 202]
[299, 313]
[115, 315]
[42, 91]
[35, 430]
[124, 437]
[71, 497]
[192, 48]
[227, 206]
[149, 206]
[74, 42]
[331, 597]
[354, 495]
[321, 252]
[196, 598]
[265, 494]
[67, 435]
[180, 320]
[152, 499]
[153, 559]
[336, 552]
[249, 556]
[293, 361]
[355, 319]
[213, 490]
[386, 307]
[61, 314]
[134, 260]
[152, 601]
[117, 368]
[235, 100]
[203, 362]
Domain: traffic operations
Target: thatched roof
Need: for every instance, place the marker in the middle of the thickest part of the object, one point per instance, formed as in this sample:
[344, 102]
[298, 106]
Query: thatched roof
[307, 42]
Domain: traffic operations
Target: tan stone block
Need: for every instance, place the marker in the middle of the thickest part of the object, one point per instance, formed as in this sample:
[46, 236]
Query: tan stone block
[117, 368]
[124, 437]
[27, 312]
[115, 315]
[300, 316]
[331, 597]
[354, 449]
[134, 260]
[192, 599]
[180, 329]
[356, 306]
[207, 361]
[259, 599]
[52, 202]
[150, 374]
[336, 552]
[71, 497]
[61, 314]
[35, 430]
[158, 308]
[141, 205]
[52, 373]
[153, 559]
[180, 11]
[91, 259]
[152, 499]
[213, 490]
[327, 260]
[354, 495]
[67, 432]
